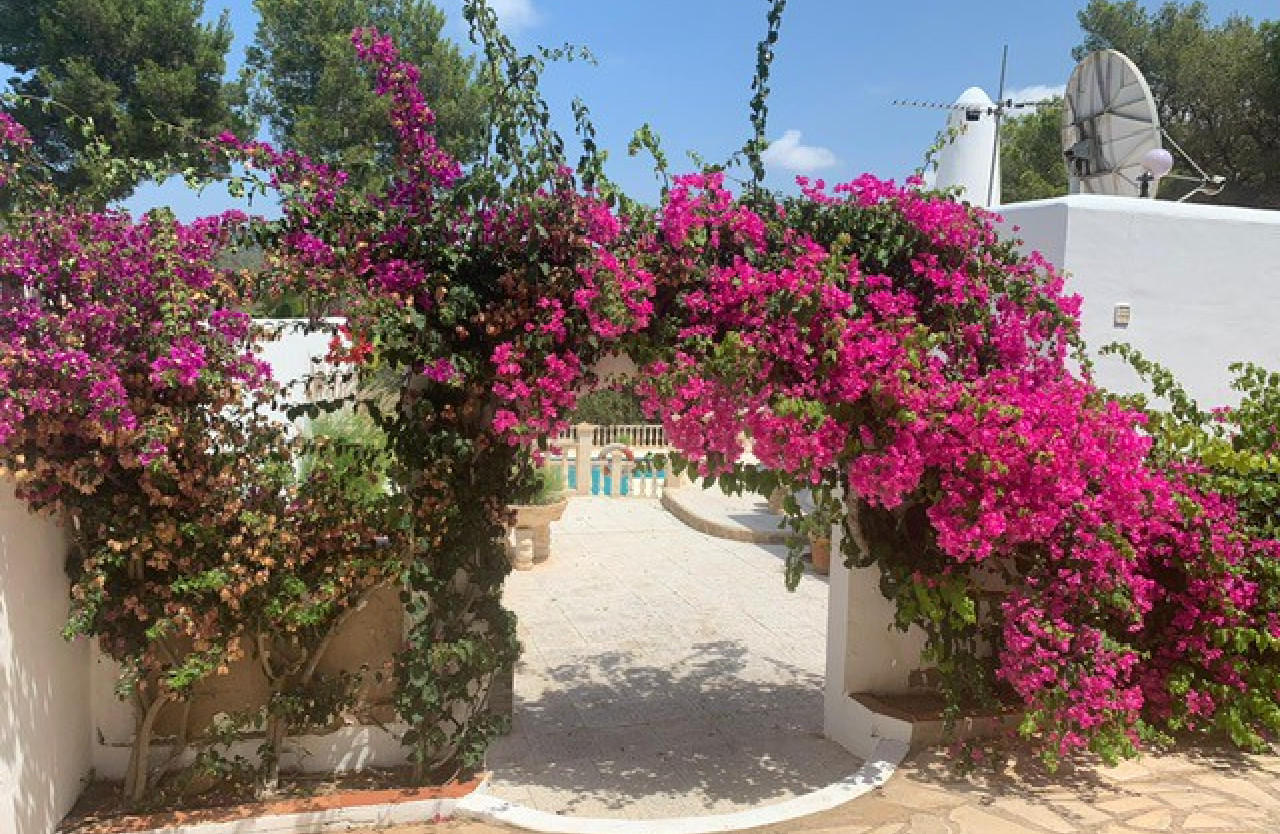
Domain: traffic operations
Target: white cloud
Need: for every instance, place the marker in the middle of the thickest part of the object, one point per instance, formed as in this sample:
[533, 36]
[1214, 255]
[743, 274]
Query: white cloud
[789, 153]
[516, 15]
[1035, 92]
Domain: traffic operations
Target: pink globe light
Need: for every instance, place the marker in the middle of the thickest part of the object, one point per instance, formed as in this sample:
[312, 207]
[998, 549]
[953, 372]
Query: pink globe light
[1157, 162]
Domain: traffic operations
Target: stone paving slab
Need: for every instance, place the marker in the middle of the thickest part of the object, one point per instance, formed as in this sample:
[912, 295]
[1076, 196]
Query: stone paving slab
[665, 673]
[1205, 792]
[658, 680]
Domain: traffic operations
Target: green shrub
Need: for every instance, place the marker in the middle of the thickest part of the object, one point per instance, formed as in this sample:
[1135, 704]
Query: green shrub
[608, 407]
[352, 451]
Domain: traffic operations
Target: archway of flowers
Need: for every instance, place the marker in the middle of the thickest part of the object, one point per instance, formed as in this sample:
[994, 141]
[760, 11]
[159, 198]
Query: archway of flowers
[874, 341]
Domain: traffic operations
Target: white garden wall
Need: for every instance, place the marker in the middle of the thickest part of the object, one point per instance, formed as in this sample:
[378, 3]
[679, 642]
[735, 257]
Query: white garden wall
[1202, 282]
[293, 356]
[866, 653]
[44, 686]
[59, 716]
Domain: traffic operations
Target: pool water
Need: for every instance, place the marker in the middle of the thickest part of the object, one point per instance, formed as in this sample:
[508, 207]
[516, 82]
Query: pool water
[607, 488]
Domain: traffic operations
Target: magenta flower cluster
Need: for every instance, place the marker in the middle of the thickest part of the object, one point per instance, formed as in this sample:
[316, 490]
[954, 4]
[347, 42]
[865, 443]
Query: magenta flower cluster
[105, 320]
[946, 382]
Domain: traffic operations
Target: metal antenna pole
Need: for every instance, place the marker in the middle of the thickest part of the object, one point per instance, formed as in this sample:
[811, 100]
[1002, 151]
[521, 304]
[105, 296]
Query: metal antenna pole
[995, 145]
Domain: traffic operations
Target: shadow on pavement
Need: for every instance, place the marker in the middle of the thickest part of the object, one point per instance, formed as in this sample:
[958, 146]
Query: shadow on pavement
[714, 729]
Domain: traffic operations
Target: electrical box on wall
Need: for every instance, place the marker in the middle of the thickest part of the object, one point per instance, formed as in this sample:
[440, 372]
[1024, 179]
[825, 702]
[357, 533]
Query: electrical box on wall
[1122, 314]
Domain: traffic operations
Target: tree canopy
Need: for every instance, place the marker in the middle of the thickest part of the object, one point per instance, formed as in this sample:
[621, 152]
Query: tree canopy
[302, 76]
[1031, 166]
[128, 65]
[1217, 87]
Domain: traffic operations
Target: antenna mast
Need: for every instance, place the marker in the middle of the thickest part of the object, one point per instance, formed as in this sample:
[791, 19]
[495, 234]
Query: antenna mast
[973, 112]
[997, 113]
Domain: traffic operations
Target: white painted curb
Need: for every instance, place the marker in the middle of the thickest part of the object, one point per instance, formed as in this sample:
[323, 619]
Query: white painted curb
[879, 767]
[887, 754]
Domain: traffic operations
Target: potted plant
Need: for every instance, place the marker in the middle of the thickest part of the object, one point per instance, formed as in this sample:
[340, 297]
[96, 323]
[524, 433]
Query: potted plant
[529, 540]
[819, 524]
[778, 499]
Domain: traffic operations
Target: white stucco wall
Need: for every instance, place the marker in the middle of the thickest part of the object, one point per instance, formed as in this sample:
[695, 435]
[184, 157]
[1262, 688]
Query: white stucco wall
[866, 653]
[44, 687]
[295, 355]
[1202, 281]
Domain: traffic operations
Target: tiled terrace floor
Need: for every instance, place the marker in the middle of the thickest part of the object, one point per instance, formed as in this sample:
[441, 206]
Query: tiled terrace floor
[1204, 790]
[666, 673]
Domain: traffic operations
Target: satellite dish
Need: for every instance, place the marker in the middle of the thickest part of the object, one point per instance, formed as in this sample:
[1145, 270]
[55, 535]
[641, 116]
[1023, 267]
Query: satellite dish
[1109, 126]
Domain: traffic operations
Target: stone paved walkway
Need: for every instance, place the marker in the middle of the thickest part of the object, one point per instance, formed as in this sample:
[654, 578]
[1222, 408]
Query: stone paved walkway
[567, 667]
[1215, 792]
[666, 673]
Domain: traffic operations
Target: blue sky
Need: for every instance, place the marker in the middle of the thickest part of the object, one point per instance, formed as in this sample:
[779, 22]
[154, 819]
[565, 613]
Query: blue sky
[685, 67]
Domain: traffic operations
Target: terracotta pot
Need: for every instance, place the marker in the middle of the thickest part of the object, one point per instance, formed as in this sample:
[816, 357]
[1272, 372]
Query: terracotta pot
[530, 541]
[820, 551]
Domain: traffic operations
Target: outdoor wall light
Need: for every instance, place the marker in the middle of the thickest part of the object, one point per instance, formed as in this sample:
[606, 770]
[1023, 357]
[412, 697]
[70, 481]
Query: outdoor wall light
[1121, 315]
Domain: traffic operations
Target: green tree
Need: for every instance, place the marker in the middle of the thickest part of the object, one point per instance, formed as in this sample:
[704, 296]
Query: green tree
[302, 76]
[127, 65]
[1217, 88]
[1031, 164]
[608, 407]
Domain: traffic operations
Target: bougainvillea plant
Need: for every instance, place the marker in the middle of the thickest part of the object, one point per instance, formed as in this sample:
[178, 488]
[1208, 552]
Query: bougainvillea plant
[121, 351]
[136, 407]
[884, 343]
[1230, 452]
[874, 343]
[870, 340]
[488, 303]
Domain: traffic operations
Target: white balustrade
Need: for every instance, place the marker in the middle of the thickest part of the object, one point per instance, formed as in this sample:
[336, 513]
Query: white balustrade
[636, 436]
[602, 459]
[646, 481]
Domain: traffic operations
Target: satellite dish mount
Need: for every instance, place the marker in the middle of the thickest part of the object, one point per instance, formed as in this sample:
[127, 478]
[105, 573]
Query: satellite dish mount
[1109, 124]
[1111, 134]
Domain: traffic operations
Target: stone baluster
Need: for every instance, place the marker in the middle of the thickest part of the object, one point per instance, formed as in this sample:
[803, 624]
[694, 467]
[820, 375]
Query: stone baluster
[586, 438]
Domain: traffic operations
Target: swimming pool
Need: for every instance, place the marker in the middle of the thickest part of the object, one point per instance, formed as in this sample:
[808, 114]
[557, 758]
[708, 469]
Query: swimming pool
[607, 487]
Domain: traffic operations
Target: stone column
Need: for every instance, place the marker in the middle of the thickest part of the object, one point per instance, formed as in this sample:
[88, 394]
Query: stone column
[585, 433]
[540, 543]
[616, 475]
[523, 550]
